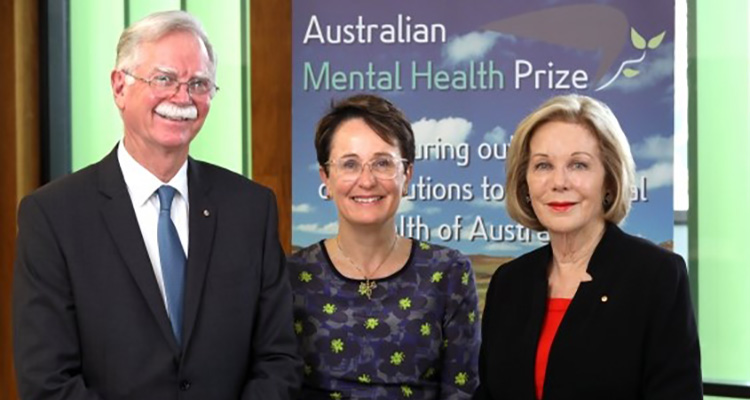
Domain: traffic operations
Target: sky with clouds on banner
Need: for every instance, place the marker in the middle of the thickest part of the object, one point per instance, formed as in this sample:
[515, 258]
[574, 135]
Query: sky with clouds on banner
[483, 118]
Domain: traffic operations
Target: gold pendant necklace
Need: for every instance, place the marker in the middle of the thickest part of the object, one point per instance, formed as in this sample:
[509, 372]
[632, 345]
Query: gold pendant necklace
[366, 287]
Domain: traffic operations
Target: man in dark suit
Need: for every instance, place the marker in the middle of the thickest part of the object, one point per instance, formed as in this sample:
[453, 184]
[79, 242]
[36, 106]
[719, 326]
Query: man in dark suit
[150, 275]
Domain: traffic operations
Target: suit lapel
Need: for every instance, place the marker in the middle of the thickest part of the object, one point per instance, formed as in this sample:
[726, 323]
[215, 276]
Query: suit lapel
[589, 294]
[202, 222]
[122, 224]
[583, 307]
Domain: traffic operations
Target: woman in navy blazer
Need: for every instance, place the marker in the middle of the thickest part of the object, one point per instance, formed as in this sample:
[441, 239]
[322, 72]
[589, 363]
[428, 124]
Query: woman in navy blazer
[596, 313]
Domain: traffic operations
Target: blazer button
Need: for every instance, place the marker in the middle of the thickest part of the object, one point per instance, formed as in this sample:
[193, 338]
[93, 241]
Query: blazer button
[185, 385]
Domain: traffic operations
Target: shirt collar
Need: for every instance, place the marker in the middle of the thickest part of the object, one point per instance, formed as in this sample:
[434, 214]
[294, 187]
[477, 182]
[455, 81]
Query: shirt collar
[142, 184]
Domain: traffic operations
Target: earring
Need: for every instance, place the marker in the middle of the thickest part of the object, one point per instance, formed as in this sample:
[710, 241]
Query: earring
[607, 199]
[404, 192]
[528, 199]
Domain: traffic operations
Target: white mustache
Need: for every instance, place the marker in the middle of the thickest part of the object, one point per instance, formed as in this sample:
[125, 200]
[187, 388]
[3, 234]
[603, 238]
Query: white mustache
[173, 111]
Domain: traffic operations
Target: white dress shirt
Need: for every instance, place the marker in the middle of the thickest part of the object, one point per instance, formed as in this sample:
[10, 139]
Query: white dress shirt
[142, 186]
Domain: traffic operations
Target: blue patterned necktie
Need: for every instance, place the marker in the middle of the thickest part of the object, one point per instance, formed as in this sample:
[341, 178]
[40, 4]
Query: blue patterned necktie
[172, 260]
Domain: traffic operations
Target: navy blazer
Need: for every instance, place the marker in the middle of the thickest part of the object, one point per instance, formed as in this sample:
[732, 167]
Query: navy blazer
[89, 321]
[638, 342]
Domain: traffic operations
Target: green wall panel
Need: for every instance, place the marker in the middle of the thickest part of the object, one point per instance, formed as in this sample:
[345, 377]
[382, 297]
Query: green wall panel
[222, 139]
[138, 9]
[95, 27]
[723, 188]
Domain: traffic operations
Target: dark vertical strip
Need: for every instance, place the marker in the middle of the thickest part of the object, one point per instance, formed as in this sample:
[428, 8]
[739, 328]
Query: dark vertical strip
[183, 5]
[126, 12]
[245, 82]
[692, 213]
[55, 92]
[8, 191]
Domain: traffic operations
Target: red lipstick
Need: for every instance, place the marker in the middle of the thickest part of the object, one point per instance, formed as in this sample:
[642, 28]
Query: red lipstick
[560, 206]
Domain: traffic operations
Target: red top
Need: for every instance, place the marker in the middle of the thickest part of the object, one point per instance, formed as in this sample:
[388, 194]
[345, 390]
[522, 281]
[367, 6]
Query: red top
[556, 309]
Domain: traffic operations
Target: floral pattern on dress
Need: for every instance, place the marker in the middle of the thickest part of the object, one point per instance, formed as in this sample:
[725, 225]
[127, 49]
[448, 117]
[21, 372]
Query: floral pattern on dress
[416, 338]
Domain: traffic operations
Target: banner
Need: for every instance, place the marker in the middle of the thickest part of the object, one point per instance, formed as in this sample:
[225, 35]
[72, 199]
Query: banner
[466, 73]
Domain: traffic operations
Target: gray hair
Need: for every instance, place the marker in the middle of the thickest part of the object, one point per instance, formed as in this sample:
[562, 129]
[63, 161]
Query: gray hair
[155, 26]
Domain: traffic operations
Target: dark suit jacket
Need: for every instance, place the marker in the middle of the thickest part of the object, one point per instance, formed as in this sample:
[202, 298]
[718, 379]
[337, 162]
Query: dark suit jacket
[641, 343]
[90, 323]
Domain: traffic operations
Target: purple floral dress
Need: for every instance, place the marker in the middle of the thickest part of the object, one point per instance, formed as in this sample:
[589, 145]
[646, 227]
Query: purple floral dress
[417, 337]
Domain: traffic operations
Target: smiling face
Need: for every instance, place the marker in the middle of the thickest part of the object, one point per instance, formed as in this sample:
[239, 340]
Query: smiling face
[365, 200]
[157, 121]
[566, 178]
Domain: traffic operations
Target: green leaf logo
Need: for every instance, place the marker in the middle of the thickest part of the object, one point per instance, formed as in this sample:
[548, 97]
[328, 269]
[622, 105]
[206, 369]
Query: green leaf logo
[638, 41]
[406, 391]
[465, 278]
[629, 72]
[437, 277]
[656, 40]
[329, 308]
[364, 378]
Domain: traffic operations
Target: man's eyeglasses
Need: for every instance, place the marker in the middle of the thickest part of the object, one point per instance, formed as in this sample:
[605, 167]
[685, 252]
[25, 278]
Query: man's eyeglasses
[381, 167]
[167, 85]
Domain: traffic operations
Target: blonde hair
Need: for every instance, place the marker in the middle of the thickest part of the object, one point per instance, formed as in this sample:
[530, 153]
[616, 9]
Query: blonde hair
[595, 116]
[154, 27]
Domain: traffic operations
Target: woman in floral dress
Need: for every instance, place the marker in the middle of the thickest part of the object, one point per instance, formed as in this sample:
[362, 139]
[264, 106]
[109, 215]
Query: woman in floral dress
[379, 316]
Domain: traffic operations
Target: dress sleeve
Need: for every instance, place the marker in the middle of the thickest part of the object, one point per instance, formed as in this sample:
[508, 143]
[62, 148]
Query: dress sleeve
[672, 356]
[461, 333]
